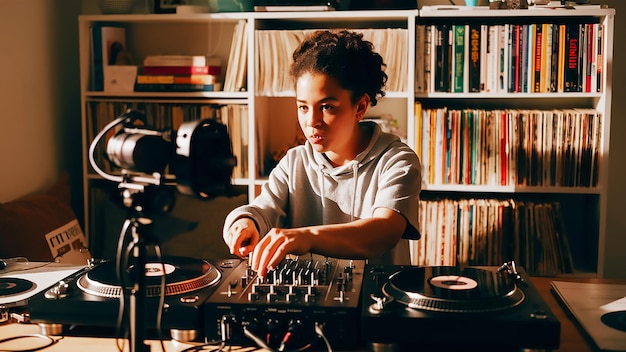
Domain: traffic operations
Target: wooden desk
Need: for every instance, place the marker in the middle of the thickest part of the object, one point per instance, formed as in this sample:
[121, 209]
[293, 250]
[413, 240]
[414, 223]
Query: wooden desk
[572, 339]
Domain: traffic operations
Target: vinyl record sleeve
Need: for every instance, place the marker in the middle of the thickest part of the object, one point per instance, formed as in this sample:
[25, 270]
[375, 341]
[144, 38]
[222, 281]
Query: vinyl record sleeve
[588, 302]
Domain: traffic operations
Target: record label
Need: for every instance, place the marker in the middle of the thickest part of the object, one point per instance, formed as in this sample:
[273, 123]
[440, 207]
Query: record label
[156, 269]
[616, 320]
[454, 282]
[12, 286]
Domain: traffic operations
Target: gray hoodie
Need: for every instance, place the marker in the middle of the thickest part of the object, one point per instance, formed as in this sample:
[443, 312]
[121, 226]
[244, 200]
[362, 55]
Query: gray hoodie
[304, 189]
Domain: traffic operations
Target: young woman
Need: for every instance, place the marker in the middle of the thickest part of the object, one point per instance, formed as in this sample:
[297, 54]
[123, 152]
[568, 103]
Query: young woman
[351, 191]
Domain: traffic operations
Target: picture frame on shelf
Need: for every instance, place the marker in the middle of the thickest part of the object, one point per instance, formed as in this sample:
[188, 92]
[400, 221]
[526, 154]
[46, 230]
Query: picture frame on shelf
[168, 6]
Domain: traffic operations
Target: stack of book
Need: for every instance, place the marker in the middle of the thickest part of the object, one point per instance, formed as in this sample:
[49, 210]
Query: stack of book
[178, 73]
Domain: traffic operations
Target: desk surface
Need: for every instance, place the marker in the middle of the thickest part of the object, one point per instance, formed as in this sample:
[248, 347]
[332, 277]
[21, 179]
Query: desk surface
[572, 339]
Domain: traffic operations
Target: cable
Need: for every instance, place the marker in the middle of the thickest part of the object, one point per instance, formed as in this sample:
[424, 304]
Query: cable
[320, 332]
[202, 346]
[260, 343]
[50, 341]
[94, 144]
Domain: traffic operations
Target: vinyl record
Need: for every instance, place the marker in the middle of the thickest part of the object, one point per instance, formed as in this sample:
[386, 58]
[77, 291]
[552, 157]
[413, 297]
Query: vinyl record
[12, 286]
[177, 269]
[615, 320]
[453, 289]
[182, 275]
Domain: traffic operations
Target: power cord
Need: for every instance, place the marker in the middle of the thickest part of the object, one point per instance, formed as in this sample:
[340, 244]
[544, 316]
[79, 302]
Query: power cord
[49, 342]
[319, 331]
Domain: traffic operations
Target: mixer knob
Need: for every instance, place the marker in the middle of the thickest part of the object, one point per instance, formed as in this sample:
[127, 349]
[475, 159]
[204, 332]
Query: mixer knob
[231, 286]
[291, 295]
[253, 296]
[272, 296]
[310, 298]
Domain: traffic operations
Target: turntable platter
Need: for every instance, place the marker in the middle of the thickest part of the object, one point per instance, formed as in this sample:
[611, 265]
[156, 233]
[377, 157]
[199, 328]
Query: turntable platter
[453, 289]
[182, 275]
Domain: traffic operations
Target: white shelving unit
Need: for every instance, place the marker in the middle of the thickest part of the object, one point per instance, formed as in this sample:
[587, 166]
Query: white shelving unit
[272, 122]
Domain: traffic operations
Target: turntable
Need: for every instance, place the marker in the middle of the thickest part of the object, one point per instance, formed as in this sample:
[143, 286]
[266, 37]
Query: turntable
[90, 299]
[439, 308]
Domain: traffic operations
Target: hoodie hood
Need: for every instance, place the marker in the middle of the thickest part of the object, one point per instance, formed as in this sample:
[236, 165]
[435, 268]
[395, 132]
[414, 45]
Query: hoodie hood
[378, 144]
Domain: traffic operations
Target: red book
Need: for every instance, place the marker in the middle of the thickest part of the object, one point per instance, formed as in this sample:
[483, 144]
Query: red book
[182, 70]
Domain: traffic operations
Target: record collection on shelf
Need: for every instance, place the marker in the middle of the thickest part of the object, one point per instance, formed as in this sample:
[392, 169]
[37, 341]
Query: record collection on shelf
[510, 147]
[489, 231]
[510, 58]
[275, 47]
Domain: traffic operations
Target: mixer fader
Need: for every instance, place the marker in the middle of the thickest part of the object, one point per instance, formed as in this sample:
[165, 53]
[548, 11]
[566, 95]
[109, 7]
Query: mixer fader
[304, 301]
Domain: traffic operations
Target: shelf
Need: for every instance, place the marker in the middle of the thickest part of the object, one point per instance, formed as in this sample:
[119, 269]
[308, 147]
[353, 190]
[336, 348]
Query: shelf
[271, 123]
[510, 189]
[532, 11]
[169, 95]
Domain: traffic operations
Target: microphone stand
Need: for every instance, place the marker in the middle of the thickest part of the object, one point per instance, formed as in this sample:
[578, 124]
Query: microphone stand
[141, 237]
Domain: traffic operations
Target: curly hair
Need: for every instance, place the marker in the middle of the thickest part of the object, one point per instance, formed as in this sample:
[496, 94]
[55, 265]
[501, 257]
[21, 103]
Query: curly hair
[345, 56]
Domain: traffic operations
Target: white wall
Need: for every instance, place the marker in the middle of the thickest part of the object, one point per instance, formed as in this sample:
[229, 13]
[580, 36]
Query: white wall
[39, 95]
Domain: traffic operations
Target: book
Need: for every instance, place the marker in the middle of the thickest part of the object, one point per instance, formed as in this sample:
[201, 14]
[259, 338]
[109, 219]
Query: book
[532, 46]
[97, 75]
[234, 79]
[503, 58]
[442, 58]
[429, 59]
[113, 47]
[474, 57]
[600, 58]
[492, 61]
[546, 59]
[561, 62]
[182, 70]
[523, 59]
[484, 42]
[582, 55]
[590, 58]
[459, 61]
[514, 53]
[168, 87]
[420, 58]
[107, 42]
[555, 58]
[570, 76]
[292, 8]
[176, 79]
[175, 60]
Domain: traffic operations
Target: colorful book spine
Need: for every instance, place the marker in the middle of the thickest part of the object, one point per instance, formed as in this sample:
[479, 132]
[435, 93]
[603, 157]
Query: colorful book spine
[166, 87]
[555, 58]
[459, 59]
[600, 58]
[442, 58]
[571, 62]
[175, 79]
[182, 70]
[175, 60]
[560, 87]
[474, 58]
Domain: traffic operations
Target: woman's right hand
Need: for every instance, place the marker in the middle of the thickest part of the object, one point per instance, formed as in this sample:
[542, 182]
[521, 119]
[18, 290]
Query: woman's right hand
[242, 237]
